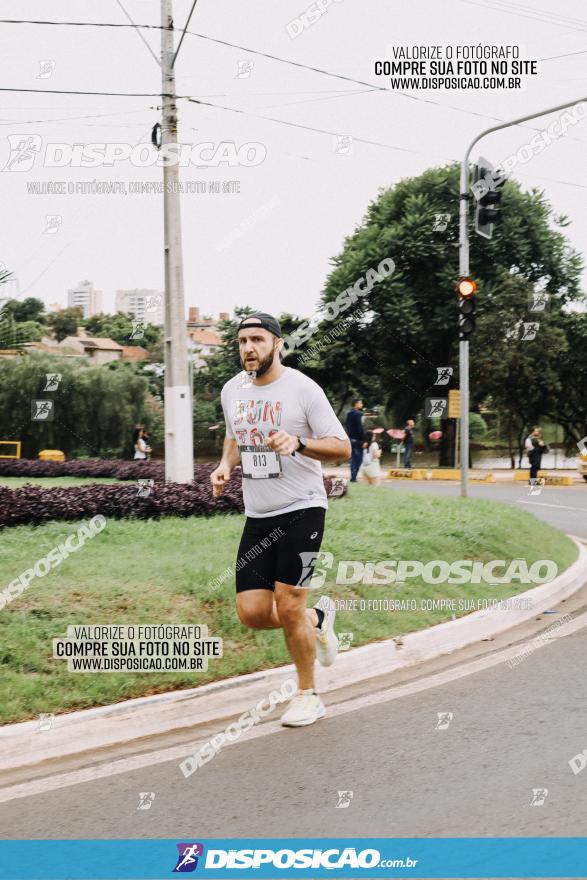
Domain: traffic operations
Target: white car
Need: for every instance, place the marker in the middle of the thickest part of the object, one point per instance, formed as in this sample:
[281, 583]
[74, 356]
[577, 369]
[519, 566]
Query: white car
[582, 465]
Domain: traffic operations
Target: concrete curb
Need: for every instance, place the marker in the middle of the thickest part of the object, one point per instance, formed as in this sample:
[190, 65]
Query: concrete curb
[453, 475]
[24, 745]
[449, 474]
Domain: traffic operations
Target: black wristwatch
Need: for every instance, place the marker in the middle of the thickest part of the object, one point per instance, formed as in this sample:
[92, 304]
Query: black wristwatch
[301, 445]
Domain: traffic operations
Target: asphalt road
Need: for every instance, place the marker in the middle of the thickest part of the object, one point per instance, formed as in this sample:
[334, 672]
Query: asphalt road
[563, 506]
[512, 731]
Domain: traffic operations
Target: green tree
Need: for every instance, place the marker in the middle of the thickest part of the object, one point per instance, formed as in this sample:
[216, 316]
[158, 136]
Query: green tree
[408, 325]
[30, 309]
[65, 322]
[95, 407]
[477, 426]
[521, 375]
[121, 329]
[225, 363]
[569, 409]
[8, 331]
[30, 331]
[16, 327]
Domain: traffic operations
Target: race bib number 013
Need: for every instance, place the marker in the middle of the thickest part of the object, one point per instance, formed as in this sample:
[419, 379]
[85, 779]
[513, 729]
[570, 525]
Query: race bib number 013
[259, 462]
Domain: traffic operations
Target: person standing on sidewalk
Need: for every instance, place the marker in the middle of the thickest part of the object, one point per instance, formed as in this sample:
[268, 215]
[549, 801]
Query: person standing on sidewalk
[371, 467]
[537, 450]
[528, 442]
[408, 442]
[279, 427]
[356, 433]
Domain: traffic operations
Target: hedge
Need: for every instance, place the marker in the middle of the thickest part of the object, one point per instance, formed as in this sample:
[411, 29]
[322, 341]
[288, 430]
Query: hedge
[118, 468]
[33, 505]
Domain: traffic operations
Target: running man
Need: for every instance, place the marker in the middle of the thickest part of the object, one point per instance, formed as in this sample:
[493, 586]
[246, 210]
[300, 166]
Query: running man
[279, 427]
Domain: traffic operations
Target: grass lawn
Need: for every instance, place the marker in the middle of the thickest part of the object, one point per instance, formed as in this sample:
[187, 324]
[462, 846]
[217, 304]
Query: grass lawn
[160, 572]
[47, 482]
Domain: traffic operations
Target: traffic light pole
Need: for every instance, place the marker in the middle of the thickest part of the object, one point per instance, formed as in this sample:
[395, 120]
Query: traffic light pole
[464, 272]
[179, 444]
[464, 343]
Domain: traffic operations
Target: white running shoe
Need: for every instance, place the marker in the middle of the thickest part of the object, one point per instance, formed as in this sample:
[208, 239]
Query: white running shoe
[305, 708]
[326, 640]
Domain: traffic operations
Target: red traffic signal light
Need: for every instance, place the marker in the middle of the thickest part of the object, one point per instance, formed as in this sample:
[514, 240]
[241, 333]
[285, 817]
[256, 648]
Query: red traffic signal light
[466, 288]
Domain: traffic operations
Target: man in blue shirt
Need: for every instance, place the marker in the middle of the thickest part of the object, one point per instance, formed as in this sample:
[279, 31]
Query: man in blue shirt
[408, 442]
[354, 429]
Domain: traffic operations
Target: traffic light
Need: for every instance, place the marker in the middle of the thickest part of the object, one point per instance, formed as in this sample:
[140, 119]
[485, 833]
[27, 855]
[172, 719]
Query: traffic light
[466, 289]
[487, 191]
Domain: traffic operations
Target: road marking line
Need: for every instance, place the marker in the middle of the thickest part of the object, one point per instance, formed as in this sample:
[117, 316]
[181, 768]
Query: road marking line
[179, 753]
[560, 506]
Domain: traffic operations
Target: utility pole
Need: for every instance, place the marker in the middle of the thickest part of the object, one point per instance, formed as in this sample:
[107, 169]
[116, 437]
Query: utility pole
[179, 441]
[464, 273]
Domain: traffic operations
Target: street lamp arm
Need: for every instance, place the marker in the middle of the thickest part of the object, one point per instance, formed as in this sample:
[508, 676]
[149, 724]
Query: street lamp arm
[508, 124]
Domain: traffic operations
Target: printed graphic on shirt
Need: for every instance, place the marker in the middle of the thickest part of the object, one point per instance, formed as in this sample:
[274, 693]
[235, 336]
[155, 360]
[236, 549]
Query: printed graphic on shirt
[254, 421]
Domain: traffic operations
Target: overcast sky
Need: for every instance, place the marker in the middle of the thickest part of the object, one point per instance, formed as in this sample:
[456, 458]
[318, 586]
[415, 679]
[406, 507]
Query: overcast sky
[269, 246]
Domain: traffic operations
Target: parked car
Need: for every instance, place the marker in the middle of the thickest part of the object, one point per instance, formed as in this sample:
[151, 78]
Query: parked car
[582, 465]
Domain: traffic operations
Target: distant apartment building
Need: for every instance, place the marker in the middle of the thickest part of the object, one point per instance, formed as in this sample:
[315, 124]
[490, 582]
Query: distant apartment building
[204, 338]
[87, 297]
[144, 305]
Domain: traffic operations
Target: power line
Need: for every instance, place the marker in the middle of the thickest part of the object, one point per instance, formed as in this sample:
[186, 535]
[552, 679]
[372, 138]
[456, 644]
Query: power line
[300, 125]
[370, 86]
[176, 53]
[333, 97]
[236, 110]
[157, 62]
[553, 180]
[529, 12]
[326, 93]
[77, 92]
[340, 76]
[68, 118]
[566, 55]
[107, 24]
[358, 139]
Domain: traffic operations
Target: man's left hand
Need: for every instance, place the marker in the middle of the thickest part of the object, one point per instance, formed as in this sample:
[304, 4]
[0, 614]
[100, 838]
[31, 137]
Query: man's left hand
[283, 443]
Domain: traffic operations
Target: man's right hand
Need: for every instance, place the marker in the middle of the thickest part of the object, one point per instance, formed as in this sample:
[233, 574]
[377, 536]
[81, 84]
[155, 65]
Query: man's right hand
[219, 478]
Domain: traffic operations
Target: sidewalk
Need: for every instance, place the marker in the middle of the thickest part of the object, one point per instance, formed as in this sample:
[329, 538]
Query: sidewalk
[498, 475]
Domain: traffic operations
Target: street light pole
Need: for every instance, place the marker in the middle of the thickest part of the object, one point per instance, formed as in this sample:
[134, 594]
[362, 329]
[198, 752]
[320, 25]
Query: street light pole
[464, 271]
[179, 443]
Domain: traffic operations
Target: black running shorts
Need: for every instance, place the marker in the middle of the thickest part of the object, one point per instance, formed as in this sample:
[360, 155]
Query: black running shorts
[279, 548]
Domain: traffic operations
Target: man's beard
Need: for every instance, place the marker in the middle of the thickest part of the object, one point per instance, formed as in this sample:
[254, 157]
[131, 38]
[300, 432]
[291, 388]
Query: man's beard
[264, 365]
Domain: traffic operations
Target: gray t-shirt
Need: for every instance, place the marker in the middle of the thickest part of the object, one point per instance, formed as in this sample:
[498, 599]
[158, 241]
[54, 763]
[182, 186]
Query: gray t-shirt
[293, 403]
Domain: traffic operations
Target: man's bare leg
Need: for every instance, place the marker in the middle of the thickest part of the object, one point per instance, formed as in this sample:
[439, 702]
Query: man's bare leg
[260, 609]
[299, 631]
[256, 611]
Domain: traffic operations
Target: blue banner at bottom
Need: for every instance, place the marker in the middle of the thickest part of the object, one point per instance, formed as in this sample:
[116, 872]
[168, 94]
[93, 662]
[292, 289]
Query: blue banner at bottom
[293, 857]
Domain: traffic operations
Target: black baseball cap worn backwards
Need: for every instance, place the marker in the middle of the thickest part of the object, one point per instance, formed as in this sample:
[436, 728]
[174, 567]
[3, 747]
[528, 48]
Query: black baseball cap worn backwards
[261, 319]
